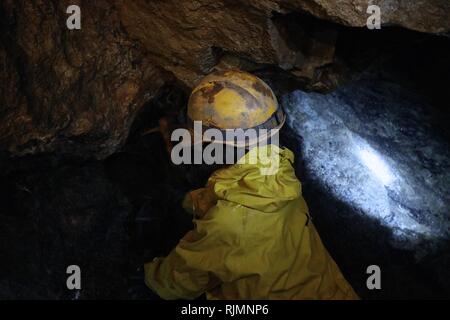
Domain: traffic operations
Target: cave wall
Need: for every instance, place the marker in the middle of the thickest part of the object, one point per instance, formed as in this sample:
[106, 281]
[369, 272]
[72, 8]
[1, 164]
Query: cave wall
[66, 91]
[77, 92]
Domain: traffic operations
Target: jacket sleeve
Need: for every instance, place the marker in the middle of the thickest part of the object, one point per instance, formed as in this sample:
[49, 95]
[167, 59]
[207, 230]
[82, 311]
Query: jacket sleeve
[179, 276]
[191, 267]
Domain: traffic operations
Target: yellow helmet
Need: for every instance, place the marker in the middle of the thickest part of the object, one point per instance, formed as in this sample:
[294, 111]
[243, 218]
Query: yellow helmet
[234, 99]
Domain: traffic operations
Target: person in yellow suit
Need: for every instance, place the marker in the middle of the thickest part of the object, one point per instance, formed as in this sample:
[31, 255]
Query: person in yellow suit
[253, 236]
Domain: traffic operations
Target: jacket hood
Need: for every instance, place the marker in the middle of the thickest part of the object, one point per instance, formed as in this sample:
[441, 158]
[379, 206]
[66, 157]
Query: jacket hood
[263, 179]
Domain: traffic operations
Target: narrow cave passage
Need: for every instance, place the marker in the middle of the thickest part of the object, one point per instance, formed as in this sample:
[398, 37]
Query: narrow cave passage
[367, 120]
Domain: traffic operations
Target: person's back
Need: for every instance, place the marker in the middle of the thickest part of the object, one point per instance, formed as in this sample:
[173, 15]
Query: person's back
[253, 239]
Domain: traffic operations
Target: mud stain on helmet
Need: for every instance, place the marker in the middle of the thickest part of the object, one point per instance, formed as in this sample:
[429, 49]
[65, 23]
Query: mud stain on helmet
[259, 87]
[209, 92]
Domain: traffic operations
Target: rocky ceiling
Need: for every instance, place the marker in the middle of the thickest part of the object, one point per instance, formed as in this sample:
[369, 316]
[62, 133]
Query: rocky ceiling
[77, 92]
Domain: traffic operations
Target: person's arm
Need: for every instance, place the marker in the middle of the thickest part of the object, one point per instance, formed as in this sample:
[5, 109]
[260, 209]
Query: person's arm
[196, 264]
[198, 202]
[179, 275]
[165, 128]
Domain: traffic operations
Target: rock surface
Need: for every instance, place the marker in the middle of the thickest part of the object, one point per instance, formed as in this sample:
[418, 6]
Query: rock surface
[420, 15]
[190, 37]
[71, 92]
[386, 162]
[77, 92]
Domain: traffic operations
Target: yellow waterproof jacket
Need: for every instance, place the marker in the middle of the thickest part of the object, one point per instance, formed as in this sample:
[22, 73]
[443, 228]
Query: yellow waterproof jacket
[253, 239]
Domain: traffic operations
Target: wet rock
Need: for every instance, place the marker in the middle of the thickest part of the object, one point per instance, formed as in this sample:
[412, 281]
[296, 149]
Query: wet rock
[374, 166]
[373, 146]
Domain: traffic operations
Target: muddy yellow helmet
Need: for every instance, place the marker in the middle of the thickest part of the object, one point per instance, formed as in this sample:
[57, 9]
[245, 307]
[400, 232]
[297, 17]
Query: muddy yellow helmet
[234, 99]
